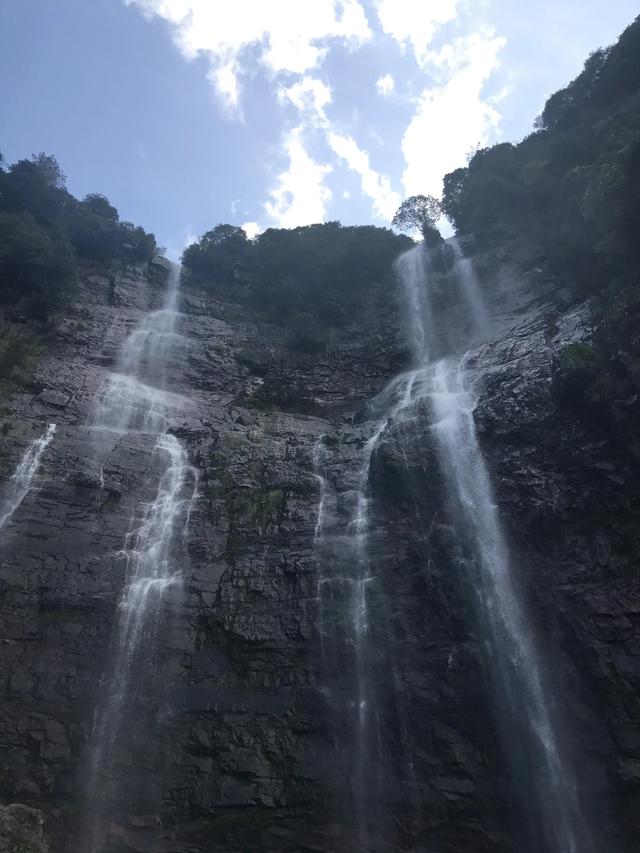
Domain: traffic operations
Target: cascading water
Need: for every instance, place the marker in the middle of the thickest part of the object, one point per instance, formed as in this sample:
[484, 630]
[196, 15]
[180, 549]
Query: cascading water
[553, 810]
[525, 716]
[411, 268]
[319, 472]
[367, 769]
[512, 654]
[133, 397]
[151, 569]
[393, 401]
[134, 400]
[20, 483]
[470, 291]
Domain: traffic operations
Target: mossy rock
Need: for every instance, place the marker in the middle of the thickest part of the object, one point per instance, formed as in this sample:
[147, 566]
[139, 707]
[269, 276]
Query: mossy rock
[575, 370]
[20, 351]
[260, 508]
[578, 357]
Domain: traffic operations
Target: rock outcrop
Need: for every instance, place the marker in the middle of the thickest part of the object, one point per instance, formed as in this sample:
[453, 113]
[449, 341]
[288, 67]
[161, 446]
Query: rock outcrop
[240, 736]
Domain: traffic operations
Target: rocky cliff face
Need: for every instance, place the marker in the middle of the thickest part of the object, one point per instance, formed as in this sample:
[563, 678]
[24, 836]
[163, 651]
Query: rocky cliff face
[240, 734]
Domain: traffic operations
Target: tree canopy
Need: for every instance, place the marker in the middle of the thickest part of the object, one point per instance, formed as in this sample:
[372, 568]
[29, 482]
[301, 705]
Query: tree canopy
[326, 272]
[35, 270]
[45, 231]
[568, 193]
[420, 213]
[217, 252]
[567, 200]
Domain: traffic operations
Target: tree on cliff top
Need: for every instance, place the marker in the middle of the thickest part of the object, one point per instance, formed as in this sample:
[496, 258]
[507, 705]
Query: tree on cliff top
[50, 170]
[45, 231]
[323, 275]
[420, 212]
[217, 252]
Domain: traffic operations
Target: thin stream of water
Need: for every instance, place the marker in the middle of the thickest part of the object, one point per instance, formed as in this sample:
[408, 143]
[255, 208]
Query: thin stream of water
[22, 478]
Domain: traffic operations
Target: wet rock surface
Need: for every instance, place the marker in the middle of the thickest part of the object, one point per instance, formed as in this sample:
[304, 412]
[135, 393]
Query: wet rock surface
[248, 745]
[22, 830]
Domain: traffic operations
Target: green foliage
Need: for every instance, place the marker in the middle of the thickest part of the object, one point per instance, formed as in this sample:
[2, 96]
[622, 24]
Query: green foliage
[94, 236]
[44, 231]
[601, 379]
[609, 75]
[36, 271]
[20, 349]
[314, 276]
[568, 197]
[578, 358]
[27, 188]
[575, 371]
[569, 192]
[50, 170]
[99, 205]
[135, 245]
[97, 233]
[420, 213]
[217, 252]
[323, 270]
[262, 508]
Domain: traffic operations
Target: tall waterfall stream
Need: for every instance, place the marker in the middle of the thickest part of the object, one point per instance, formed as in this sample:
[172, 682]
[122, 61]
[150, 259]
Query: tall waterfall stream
[134, 400]
[547, 791]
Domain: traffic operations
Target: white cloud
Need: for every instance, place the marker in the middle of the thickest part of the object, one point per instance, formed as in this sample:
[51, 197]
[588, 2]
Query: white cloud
[300, 196]
[503, 94]
[225, 81]
[453, 118]
[415, 22]
[252, 229]
[376, 186]
[309, 95]
[385, 85]
[289, 39]
[290, 36]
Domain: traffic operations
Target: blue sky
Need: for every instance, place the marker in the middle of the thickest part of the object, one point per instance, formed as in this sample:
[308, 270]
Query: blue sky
[186, 113]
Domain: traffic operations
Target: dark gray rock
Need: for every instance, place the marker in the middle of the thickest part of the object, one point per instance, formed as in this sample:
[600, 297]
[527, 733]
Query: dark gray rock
[22, 830]
[246, 741]
[53, 397]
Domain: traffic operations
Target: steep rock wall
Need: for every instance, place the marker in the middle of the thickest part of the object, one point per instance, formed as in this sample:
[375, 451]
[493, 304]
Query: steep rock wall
[241, 736]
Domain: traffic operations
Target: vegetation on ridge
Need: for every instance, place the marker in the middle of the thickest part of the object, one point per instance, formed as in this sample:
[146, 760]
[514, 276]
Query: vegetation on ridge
[45, 232]
[567, 195]
[567, 198]
[309, 278]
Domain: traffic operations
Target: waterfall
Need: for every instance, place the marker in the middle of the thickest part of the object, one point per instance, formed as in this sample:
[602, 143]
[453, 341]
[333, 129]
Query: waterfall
[525, 717]
[319, 457]
[367, 765]
[516, 667]
[151, 569]
[18, 486]
[393, 401]
[134, 399]
[411, 268]
[470, 288]
[526, 720]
